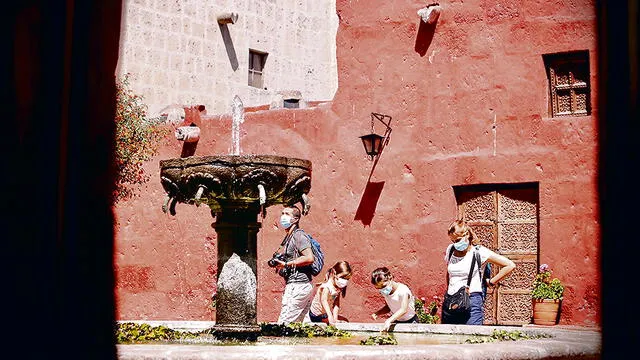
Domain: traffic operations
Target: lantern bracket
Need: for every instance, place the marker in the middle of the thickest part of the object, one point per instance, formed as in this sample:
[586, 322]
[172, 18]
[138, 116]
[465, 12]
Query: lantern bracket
[381, 118]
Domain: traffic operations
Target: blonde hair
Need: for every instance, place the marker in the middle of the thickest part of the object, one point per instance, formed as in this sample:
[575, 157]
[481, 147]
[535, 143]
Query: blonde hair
[460, 228]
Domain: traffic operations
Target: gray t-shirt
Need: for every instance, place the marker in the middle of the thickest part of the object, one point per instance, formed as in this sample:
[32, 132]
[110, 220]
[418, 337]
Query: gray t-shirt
[293, 249]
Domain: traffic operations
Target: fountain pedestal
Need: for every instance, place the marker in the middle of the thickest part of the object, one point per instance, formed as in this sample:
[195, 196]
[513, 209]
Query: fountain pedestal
[236, 188]
[236, 303]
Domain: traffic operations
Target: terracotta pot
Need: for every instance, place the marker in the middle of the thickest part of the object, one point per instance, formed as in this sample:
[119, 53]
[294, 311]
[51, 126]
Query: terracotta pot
[545, 311]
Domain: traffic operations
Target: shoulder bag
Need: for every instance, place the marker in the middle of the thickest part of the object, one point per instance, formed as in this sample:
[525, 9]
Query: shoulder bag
[459, 303]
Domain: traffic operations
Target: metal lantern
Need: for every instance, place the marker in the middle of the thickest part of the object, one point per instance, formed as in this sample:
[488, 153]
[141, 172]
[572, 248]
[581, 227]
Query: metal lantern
[374, 143]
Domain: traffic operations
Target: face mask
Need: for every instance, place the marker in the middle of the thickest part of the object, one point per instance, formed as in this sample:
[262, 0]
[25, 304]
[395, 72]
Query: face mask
[341, 283]
[285, 221]
[386, 290]
[462, 244]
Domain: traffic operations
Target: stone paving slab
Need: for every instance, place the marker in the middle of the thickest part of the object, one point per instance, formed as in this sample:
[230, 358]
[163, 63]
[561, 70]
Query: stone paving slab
[566, 343]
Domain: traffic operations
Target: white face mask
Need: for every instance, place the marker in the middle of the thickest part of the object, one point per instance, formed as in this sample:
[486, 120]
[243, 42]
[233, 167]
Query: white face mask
[341, 283]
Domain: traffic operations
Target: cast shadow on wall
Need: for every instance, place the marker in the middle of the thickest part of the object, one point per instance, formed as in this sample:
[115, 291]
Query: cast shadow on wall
[424, 37]
[368, 202]
[228, 45]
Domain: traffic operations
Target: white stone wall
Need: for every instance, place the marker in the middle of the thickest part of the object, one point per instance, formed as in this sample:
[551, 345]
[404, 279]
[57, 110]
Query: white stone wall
[176, 55]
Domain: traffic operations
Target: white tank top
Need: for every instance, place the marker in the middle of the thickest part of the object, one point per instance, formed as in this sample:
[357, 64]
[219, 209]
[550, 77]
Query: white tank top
[458, 268]
[316, 304]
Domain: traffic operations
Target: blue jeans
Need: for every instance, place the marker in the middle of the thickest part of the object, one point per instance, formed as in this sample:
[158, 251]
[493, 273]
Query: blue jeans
[477, 309]
[317, 318]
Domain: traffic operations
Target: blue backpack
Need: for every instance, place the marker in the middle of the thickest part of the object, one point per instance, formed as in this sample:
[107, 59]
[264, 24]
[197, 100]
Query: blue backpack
[318, 255]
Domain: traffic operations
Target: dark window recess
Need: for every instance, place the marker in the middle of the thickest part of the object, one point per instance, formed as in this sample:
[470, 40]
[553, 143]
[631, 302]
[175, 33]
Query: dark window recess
[291, 103]
[569, 88]
[257, 60]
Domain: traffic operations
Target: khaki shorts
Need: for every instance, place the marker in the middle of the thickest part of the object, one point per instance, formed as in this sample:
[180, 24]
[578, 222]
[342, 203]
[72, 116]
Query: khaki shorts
[296, 302]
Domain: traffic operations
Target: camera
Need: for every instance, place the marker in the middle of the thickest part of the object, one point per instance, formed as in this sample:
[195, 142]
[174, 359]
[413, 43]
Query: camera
[285, 272]
[276, 256]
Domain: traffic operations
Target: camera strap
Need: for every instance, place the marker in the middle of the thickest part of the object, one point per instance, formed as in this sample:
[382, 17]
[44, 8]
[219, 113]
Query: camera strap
[286, 239]
[283, 243]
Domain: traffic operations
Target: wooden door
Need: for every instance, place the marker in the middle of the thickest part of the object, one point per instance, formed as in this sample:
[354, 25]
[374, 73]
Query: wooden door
[505, 218]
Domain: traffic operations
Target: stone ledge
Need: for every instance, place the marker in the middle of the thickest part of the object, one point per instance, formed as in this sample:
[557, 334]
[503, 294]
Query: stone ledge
[566, 343]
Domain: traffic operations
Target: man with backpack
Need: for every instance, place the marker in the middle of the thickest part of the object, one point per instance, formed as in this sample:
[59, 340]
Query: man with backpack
[293, 261]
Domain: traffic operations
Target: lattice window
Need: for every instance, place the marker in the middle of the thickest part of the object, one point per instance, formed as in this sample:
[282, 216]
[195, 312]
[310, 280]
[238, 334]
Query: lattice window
[568, 75]
[257, 59]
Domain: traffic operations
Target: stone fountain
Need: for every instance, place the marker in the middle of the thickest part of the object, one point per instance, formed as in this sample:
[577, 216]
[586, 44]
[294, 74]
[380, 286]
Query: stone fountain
[237, 188]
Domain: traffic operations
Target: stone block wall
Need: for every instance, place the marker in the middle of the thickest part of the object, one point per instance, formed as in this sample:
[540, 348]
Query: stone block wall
[178, 54]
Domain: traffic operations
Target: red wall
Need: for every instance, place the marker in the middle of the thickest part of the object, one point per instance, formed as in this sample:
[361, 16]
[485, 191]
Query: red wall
[469, 104]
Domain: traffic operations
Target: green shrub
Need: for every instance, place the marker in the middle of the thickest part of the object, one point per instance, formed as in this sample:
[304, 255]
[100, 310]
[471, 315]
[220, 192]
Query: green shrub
[136, 140]
[426, 315]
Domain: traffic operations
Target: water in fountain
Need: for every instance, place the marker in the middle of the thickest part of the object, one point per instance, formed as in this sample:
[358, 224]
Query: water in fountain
[237, 118]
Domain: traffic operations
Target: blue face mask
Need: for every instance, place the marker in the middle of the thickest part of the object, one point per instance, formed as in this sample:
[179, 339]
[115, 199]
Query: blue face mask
[285, 221]
[386, 290]
[462, 244]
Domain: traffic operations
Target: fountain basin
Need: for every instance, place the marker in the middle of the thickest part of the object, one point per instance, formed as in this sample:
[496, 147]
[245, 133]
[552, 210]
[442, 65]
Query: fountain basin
[565, 343]
[231, 181]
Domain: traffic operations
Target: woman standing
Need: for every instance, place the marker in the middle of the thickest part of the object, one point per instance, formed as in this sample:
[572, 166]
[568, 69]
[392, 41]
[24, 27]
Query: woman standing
[459, 257]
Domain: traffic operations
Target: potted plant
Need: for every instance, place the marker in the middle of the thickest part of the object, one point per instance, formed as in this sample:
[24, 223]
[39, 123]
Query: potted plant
[547, 297]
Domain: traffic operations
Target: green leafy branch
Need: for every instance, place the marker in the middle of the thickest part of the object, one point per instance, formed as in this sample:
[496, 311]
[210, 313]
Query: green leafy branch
[426, 314]
[137, 139]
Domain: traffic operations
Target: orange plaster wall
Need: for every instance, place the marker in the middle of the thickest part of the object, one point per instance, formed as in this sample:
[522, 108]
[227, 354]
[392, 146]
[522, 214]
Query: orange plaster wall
[469, 105]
